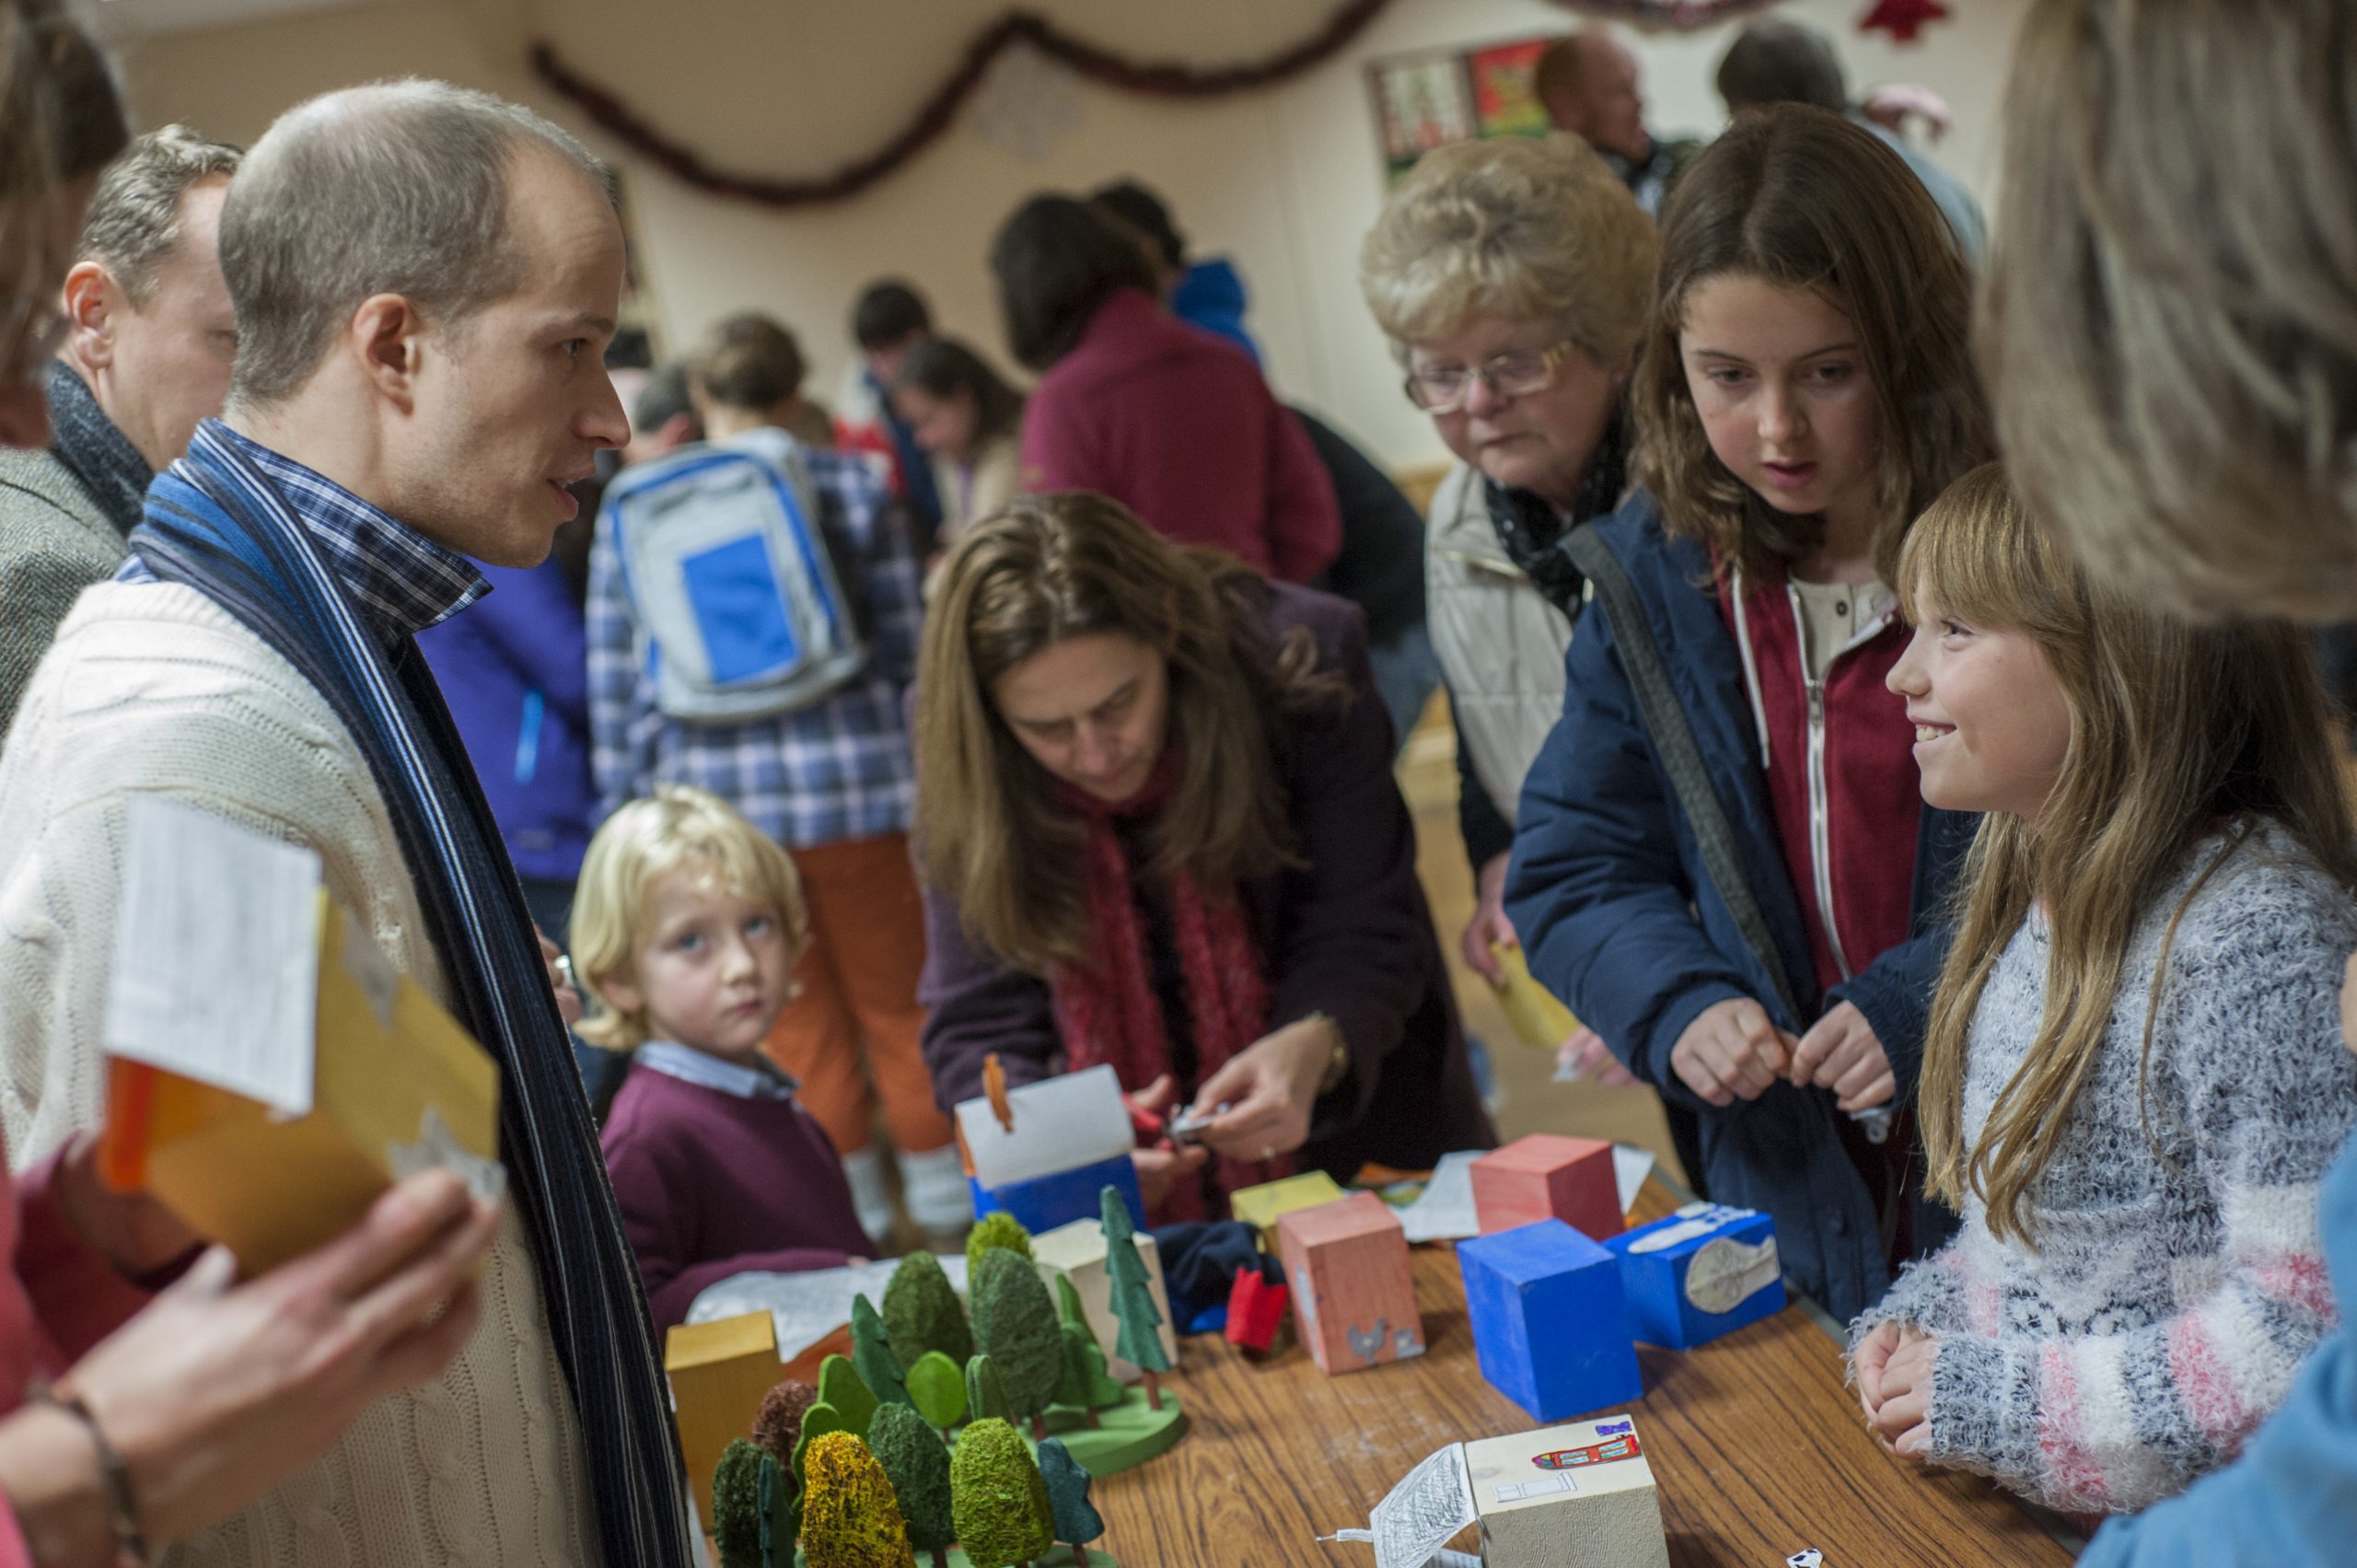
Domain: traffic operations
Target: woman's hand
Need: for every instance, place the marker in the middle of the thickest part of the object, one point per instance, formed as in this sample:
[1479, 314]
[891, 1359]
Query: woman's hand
[1269, 1087]
[1585, 1055]
[559, 968]
[1160, 1167]
[219, 1391]
[1490, 922]
[1903, 1419]
[1840, 1053]
[1731, 1052]
[132, 1231]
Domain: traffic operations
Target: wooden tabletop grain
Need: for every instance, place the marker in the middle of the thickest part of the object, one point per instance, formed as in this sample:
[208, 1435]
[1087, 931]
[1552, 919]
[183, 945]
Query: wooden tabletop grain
[1757, 1446]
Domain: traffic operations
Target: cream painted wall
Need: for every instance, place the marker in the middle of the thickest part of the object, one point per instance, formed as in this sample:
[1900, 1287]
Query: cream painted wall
[1285, 183]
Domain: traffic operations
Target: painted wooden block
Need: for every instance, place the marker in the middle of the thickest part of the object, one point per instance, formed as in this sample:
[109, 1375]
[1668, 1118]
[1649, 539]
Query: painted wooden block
[1256, 1309]
[1044, 1202]
[1547, 1176]
[1261, 1207]
[719, 1372]
[1551, 1329]
[1353, 1294]
[1705, 1270]
[1076, 1251]
[1580, 1496]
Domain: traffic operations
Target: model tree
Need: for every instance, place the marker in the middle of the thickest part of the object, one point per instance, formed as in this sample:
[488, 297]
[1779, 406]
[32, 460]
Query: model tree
[1133, 1297]
[872, 1357]
[777, 1426]
[1014, 1325]
[921, 1314]
[780, 1505]
[1000, 1230]
[850, 1517]
[1083, 1384]
[1076, 1520]
[937, 1388]
[986, 1391]
[736, 1505]
[996, 1498]
[912, 1455]
[842, 1390]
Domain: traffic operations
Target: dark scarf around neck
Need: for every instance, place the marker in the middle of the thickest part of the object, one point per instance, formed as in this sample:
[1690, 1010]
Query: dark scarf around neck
[1532, 530]
[98, 454]
[1107, 1010]
[215, 523]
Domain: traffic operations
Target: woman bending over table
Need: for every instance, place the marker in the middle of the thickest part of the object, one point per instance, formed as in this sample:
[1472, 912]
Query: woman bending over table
[1159, 830]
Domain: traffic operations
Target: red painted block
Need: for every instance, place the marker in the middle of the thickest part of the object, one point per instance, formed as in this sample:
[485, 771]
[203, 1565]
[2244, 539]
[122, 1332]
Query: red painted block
[1545, 1177]
[1354, 1298]
[1256, 1306]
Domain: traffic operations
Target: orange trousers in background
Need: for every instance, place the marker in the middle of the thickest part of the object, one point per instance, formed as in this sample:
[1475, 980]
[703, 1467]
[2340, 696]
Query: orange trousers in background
[855, 1022]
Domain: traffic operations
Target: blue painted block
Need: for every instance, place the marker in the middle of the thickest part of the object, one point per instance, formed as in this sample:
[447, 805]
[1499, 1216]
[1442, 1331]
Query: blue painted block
[1044, 1202]
[1705, 1270]
[1549, 1327]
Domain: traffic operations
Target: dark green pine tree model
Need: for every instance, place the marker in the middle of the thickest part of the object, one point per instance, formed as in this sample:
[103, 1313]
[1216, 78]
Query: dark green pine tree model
[917, 1462]
[1133, 1297]
[1085, 1384]
[1016, 1326]
[997, 1499]
[1077, 1521]
[872, 1358]
[922, 1313]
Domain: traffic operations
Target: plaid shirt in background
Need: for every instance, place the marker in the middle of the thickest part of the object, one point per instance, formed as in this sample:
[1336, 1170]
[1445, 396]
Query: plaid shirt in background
[831, 773]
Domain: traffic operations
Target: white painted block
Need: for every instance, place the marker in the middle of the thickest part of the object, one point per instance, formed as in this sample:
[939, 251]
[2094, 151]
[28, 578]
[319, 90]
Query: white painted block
[1077, 1251]
[1580, 1511]
[1061, 1123]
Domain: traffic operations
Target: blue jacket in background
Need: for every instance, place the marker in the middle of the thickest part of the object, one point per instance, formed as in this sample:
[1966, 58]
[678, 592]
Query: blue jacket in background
[1210, 295]
[2291, 1500]
[1617, 916]
[514, 668]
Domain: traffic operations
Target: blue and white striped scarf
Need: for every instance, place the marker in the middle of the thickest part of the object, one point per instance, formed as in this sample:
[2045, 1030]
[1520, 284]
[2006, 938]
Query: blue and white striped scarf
[216, 523]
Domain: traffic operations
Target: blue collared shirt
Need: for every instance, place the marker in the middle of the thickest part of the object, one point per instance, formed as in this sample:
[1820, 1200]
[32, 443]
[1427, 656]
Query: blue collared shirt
[403, 580]
[762, 1079]
[832, 772]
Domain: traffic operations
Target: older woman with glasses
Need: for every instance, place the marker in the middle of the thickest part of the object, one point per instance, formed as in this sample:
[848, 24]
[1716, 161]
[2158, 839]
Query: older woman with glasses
[1512, 277]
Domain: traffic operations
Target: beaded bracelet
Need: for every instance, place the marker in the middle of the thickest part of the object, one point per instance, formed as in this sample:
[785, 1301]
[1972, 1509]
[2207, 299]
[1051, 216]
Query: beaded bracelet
[114, 1477]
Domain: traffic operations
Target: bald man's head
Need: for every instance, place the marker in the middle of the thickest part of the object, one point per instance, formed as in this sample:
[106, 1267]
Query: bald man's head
[397, 188]
[1588, 84]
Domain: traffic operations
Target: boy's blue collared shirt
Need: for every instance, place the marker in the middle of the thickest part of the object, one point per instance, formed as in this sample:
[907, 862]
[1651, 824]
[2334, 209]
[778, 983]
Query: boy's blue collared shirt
[761, 1079]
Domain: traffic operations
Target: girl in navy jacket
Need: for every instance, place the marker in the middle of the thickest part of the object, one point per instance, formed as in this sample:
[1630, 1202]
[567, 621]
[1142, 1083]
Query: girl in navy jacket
[1804, 390]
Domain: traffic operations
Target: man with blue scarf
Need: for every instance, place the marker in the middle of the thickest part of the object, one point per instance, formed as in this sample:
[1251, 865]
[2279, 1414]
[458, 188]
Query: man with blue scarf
[424, 280]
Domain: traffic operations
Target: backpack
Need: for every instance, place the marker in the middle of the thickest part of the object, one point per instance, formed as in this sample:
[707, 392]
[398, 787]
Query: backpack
[736, 608]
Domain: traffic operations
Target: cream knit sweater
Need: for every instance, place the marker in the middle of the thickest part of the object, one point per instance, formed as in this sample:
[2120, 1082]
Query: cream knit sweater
[154, 690]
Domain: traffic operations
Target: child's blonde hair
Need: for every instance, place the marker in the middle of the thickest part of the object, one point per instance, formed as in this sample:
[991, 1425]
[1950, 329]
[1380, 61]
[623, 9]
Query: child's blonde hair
[676, 826]
[2175, 730]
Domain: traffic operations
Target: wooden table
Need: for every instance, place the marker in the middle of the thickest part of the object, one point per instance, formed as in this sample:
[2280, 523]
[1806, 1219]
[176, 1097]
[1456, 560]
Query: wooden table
[1757, 1447]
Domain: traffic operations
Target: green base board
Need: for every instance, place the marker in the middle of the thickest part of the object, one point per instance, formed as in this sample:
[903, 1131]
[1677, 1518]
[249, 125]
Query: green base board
[1126, 1434]
[1058, 1556]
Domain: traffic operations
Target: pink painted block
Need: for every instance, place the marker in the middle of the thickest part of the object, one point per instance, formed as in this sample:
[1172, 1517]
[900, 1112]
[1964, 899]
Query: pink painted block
[1545, 1177]
[1353, 1297]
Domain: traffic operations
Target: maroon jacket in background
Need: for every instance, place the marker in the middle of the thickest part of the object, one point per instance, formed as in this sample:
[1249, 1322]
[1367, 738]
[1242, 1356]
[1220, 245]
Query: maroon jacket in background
[1178, 425]
[710, 1184]
[1348, 935]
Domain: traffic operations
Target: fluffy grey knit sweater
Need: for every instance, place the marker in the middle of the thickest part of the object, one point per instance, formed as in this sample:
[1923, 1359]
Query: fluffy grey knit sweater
[2170, 1296]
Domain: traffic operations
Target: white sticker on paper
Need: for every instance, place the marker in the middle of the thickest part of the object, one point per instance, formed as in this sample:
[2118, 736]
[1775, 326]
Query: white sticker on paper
[1725, 1274]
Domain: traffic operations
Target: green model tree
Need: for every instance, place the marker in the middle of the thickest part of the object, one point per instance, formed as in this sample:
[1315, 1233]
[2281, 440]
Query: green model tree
[842, 1389]
[996, 1498]
[736, 1505]
[777, 1426]
[986, 1391]
[818, 1422]
[850, 1517]
[1085, 1384]
[1133, 1297]
[917, 1462]
[1014, 1325]
[1076, 1520]
[780, 1510]
[993, 1230]
[921, 1314]
[937, 1388]
[871, 1355]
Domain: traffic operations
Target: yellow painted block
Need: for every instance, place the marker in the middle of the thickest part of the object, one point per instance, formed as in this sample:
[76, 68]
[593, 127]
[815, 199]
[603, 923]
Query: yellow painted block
[1260, 1207]
[720, 1372]
[396, 1083]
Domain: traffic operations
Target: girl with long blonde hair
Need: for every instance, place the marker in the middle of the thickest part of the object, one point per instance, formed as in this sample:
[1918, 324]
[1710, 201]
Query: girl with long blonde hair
[2133, 1078]
[1159, 830]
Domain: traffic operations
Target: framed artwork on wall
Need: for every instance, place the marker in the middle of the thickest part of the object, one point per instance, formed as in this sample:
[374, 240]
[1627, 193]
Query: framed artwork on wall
[1426, 100]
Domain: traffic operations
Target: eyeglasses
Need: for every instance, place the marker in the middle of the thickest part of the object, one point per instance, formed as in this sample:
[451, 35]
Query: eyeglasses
[1517, 373]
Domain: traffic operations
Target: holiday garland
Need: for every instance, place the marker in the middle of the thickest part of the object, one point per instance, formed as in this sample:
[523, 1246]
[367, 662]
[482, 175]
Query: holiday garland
[1095, 64]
